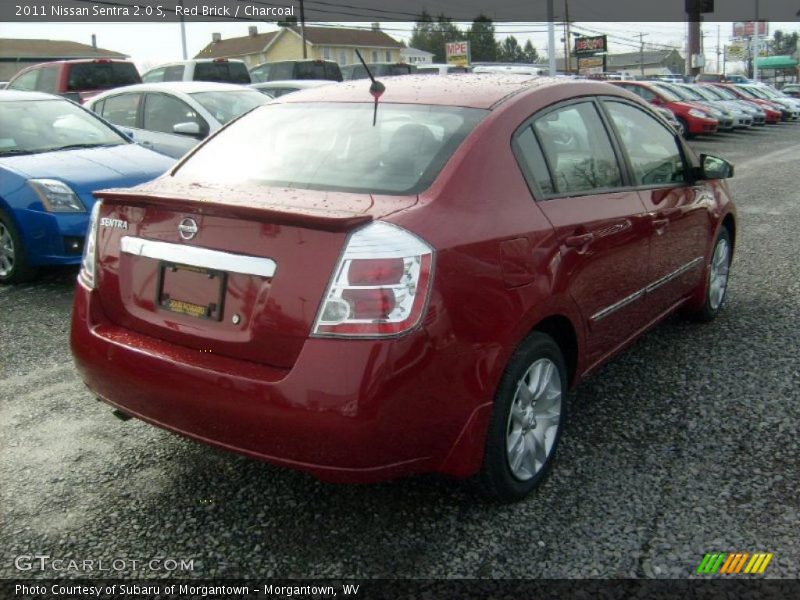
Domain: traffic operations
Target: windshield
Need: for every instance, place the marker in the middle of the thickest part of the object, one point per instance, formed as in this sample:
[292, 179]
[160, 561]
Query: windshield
[226, 106]
[676, 91]
[327, 146]
[30, 126]
[748, 92]
[668, 95]
[727, 94]
[689, 93]
[101, 76]
[704, 93]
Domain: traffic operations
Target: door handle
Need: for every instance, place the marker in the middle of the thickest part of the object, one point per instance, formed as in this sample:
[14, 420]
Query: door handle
[579, 241]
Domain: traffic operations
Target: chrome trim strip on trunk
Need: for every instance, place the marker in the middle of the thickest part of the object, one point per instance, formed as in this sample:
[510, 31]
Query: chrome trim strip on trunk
[198, 257]
[602, 314]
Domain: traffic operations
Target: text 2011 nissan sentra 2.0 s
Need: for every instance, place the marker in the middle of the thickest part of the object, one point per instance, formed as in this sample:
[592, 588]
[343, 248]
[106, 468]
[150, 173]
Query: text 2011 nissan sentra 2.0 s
[368, 301]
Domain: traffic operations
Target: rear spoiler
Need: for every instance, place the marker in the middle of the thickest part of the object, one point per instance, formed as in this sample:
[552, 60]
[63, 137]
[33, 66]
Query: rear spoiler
[311, 217]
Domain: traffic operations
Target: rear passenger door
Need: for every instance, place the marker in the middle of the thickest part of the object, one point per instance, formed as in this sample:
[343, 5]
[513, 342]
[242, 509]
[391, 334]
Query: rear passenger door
[576, 176]
[678, 212]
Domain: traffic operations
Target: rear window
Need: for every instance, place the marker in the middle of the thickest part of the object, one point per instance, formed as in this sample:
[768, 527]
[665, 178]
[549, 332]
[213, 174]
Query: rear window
[317, 70]
[223, 72]
[339, 149]
[101, 76]
[226, 106]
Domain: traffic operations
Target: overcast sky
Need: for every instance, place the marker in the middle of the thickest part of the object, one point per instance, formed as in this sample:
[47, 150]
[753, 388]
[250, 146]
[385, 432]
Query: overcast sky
[152, 43]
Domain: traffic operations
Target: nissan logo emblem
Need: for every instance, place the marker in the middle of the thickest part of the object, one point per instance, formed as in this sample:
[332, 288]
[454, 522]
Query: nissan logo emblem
[188, 228]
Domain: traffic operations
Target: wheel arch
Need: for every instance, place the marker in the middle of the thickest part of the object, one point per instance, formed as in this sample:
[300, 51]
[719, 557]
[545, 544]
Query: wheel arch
[561, 329]
[729, 223]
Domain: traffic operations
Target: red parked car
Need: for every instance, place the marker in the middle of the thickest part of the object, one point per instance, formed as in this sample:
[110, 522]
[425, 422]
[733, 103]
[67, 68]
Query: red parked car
[693, 119]
[772, 112]
[77, 80]
[365, 302]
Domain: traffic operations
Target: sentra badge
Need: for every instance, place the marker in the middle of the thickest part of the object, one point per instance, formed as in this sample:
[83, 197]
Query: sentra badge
[114, 223]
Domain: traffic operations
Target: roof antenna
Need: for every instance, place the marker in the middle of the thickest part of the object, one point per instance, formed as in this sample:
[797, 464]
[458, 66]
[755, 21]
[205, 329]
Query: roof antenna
[376, 88]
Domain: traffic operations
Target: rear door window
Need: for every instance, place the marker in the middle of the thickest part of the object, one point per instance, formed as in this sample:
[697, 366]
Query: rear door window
[531, 161]
[651, 148]
[163, 112]
[122, 110]
[578, 149]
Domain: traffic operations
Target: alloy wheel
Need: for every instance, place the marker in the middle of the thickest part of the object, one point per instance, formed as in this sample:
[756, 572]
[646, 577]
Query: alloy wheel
[718, 277]
[6, 251]
[534, 419]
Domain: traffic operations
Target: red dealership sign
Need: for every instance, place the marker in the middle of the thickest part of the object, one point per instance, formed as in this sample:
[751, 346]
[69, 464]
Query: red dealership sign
[588, 46]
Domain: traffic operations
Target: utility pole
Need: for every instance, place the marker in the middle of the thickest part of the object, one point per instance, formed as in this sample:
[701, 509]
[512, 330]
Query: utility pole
[183, 31]
[551, 39]
[694, 36]
[567, 61]
[718, 52]
[641, 53]
[303, 28]
[756, 44]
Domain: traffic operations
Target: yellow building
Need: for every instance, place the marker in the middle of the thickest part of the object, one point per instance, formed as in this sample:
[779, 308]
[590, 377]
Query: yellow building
[329, 43]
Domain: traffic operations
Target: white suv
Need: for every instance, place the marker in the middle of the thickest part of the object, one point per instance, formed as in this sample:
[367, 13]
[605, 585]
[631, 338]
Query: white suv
[221, 70]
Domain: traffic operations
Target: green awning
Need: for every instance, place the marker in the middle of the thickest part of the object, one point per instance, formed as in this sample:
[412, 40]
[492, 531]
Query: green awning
[776, 62]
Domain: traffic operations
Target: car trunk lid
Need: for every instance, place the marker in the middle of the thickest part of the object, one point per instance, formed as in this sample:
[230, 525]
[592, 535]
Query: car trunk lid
[235, 272]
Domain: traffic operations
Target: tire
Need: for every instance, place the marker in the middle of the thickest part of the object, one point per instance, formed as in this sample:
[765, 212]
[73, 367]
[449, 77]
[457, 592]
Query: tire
[520, 445]
[14, 266]
[716, 283]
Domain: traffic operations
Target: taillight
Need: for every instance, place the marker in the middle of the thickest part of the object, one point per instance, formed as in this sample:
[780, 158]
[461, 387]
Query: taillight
[88, 264]
[379, 286]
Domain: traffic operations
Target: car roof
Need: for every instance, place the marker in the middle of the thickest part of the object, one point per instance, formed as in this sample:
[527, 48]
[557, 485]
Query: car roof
[16, 95]
[463, 89]
[184, 87]
[297, 83]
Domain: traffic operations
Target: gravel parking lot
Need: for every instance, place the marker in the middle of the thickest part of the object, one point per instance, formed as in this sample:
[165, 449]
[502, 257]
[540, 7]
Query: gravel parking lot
[686, 444]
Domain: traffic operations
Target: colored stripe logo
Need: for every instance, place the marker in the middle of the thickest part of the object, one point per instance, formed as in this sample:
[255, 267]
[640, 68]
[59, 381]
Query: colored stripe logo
[734, 563]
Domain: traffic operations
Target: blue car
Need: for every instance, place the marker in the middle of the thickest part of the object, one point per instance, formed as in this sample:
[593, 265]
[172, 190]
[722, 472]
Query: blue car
[53, 155]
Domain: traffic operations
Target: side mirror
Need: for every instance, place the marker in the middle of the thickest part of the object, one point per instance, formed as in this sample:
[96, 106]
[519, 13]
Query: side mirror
[714, 167]
[126, 132]
[188, 128]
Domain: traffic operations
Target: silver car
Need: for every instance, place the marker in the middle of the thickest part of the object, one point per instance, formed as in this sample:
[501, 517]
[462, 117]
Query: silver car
[173, 117]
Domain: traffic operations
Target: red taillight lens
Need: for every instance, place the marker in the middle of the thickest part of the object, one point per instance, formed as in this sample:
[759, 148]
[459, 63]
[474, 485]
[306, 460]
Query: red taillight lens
[370, 304]
[380, 285]
[385, 271]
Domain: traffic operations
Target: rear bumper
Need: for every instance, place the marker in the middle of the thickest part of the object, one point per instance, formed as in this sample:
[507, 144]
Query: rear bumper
[348, 411]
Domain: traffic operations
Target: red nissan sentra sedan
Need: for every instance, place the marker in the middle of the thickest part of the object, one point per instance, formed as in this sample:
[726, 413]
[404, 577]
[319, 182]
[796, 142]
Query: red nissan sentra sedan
[365, 302]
